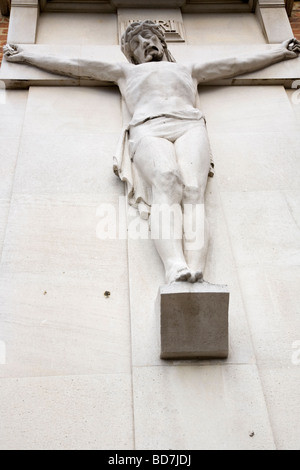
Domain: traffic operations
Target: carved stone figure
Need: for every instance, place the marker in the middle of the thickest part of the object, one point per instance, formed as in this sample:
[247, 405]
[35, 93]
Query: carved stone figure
[164, 154]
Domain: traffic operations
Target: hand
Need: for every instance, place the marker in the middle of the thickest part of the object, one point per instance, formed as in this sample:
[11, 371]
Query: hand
[292, 48]
[13, 53]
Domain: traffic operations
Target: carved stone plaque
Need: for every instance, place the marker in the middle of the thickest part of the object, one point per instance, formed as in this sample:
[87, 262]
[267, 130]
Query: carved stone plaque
[174, 30]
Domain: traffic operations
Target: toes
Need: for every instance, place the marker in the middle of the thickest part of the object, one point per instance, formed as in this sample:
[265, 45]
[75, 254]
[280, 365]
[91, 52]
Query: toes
[188, 276]
[184, 277]
[199, 276]
[196, 277]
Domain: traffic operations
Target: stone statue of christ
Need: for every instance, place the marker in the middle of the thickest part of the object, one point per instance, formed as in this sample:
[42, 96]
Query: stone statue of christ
[167, 138]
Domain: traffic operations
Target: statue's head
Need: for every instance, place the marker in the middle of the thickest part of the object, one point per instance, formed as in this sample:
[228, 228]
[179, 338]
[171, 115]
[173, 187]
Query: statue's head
[145, 42]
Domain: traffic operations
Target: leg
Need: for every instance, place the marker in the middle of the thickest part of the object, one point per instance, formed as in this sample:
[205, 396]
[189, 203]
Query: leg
[193, 156]
[155, 160]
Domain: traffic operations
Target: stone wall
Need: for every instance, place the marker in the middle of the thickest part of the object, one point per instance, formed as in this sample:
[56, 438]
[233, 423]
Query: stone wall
[80, 369]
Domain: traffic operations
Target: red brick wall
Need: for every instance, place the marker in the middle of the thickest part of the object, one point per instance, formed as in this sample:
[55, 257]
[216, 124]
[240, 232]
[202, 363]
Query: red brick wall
[295, 19]
[3, 34]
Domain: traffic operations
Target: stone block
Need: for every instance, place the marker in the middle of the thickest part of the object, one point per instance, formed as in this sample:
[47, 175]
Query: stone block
[237, 28]
[66, 316]
[43, 413]
[271, 298]
[192, 407]
[262, 229]
[274, 21]
[4, 210]
[23, 23]
[68, 111]
[281, 385]
[194, 321]
[83, 29]
[58, 233]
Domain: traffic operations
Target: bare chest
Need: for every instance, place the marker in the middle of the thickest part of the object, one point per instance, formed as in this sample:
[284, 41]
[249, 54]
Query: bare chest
[158, 80]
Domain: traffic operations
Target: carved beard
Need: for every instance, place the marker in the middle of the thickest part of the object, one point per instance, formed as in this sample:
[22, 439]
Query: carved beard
[153, 55]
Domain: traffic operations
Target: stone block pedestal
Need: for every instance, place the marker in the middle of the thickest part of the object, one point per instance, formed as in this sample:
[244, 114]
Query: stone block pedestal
[194, 321]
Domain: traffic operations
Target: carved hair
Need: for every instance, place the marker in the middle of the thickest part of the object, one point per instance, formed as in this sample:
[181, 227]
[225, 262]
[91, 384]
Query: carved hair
[138, 27]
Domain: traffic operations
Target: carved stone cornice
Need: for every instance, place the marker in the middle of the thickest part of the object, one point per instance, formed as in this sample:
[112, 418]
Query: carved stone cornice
[271, 3]
[287, 4]
[274, 21]
[25, 3]
[113, 5]
[96, 6]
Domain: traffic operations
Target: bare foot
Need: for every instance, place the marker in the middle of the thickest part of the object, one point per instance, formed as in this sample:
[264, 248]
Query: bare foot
[199, 276]
[179, 275]
[196, 277]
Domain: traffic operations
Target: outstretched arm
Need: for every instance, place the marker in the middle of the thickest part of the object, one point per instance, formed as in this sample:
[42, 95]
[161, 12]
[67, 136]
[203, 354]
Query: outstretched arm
[231, 67]
[77, 68]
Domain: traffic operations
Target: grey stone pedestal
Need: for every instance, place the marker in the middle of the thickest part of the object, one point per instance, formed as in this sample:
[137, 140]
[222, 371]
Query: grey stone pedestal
[194, 321]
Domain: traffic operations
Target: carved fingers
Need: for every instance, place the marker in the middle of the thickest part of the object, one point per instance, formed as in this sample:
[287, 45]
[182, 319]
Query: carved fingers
[292, 47]
[13, 53]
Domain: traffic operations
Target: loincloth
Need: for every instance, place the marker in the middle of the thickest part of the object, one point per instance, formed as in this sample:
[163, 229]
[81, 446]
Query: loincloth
[168, 127]
[164, 127]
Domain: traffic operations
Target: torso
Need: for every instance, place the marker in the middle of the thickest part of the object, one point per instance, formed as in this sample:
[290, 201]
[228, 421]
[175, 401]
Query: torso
[157, 88]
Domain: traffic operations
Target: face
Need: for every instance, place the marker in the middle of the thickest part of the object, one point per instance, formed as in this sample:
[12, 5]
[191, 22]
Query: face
[146, 47]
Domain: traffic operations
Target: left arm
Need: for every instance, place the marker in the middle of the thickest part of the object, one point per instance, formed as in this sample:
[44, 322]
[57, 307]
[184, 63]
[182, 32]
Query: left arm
[231, 67]
[76, 68]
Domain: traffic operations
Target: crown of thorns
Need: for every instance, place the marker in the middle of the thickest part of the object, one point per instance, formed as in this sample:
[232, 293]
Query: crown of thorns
[135, 29]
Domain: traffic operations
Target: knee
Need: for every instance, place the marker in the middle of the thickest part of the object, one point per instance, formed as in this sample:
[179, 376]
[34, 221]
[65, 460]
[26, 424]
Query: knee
[168, 183]
[193, 194]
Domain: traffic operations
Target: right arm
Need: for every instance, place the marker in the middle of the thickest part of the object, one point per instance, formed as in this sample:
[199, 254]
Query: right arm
[76, 68]
[231, 67]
